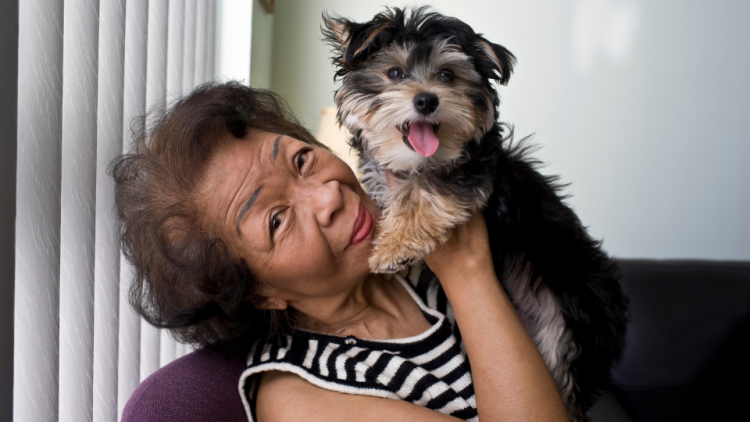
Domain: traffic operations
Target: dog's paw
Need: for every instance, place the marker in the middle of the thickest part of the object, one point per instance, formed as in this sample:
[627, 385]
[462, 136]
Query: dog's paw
[389, 257]
[385, 265]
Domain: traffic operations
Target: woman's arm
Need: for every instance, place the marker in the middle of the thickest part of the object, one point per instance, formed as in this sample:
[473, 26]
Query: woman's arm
[285, 397]
[511, 381]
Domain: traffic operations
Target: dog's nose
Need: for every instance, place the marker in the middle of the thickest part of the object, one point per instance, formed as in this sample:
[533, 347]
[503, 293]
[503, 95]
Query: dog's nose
[426, 102]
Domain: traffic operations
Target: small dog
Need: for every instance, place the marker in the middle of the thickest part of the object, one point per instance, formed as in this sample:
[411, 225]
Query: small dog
[418, 97]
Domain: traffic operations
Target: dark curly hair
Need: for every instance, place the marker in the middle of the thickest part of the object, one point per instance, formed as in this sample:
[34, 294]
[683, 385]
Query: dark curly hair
[185, 278]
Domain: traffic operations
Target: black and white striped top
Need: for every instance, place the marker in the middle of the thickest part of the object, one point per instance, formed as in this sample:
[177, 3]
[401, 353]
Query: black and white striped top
[430, 369]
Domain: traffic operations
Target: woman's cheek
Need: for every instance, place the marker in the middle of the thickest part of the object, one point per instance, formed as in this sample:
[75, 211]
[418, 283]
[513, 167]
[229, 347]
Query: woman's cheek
[310, 261]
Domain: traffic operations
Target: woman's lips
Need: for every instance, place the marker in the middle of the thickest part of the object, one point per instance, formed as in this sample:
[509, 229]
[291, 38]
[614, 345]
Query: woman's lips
[362, 225]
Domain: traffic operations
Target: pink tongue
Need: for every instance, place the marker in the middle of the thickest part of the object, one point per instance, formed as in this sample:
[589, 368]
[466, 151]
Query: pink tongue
[422, 138]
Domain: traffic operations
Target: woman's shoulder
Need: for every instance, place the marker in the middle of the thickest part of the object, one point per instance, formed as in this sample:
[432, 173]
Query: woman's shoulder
[285, 396]
[281, 396]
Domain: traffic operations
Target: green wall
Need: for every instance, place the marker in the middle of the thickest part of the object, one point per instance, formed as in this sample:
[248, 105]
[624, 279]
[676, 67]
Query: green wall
[640, 105]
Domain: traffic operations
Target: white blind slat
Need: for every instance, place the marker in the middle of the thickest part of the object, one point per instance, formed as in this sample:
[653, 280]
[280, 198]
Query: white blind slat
[156, 59]
[201, 25]
[156, 88]
[175, 48]
[134, 105]
[210, 62]
[188, 55]
[176, 35]
[37, 262]
[167, 348]
[150, 342]
[129, 342]
[78, 182]
[107, 259]
[179, 350]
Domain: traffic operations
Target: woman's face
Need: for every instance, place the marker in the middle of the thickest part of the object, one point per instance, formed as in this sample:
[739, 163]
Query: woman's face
[295, 212]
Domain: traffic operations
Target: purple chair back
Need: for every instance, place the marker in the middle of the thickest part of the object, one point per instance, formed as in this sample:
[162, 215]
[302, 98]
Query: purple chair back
[200, 386]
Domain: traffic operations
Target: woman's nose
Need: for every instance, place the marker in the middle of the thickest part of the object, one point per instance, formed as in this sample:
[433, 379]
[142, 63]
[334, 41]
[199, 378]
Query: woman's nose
[327, 201]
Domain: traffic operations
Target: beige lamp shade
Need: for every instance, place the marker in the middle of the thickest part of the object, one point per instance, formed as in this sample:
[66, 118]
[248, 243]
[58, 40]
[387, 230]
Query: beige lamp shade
[336, 138]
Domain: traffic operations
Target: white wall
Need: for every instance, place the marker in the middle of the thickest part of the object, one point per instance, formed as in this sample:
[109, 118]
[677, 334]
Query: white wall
[234, 18]
[244, 44]
[640, 105]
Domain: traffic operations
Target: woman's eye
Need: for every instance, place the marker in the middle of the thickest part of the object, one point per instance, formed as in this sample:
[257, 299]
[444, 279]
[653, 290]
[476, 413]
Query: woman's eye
[396, 73]
[445, 75]
[275, 222]
[302, 159]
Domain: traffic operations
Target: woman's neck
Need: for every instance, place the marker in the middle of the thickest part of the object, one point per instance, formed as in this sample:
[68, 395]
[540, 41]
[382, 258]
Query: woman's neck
[377, 308]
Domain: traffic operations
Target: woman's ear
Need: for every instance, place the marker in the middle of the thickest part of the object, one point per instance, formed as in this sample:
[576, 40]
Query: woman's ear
[268, 303]
[265, 299]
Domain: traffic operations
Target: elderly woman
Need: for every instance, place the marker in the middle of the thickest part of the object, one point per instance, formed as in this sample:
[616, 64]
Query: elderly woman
[249, 236]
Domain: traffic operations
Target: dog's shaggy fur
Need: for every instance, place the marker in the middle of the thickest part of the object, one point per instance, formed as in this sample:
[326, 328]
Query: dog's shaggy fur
[410, 69]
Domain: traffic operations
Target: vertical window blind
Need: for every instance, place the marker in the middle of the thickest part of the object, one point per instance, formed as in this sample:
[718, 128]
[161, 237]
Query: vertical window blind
[86, 69]
[8, 149]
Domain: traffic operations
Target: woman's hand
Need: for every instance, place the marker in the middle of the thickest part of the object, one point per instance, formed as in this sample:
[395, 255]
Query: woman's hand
[467, 250]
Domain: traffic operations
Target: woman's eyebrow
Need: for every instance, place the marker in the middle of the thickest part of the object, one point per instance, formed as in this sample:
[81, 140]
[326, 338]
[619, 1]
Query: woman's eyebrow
[249, 202]
[276, 147]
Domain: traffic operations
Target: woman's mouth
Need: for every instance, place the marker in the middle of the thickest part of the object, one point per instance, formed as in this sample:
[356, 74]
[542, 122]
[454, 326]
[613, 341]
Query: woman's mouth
[362, 225]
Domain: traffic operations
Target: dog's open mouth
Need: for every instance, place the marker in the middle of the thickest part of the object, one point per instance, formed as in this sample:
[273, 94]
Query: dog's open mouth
[420, 136]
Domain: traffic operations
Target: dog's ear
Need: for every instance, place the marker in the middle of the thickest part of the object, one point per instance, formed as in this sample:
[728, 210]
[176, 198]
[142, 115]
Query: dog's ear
[351, 41]
[336, 31]
[499, 59]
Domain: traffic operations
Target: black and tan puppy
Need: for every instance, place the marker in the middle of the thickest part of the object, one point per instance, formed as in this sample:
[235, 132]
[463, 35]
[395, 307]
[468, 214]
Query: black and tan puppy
[417, 94]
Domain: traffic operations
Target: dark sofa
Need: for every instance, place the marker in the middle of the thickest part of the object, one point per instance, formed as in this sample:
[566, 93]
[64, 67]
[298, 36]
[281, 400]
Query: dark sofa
[685, 358]
[688, 342]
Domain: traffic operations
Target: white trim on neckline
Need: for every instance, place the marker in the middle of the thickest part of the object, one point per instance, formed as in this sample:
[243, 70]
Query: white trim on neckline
[405, 340]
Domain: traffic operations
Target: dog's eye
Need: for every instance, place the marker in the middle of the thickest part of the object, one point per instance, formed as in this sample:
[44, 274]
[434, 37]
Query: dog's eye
[396, 73]
[445, 75]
